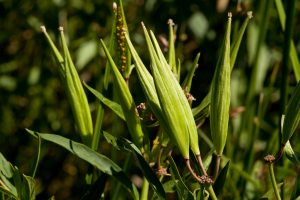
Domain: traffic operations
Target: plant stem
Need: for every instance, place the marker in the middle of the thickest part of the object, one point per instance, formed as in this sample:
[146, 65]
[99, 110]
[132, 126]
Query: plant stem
[271, 170]
[286, 51]
[212, 193]
[145, 189]
[217, 167]
[201, 165]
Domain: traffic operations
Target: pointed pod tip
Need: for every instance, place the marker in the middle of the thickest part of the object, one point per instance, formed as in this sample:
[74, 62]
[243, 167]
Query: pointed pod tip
[171, 22]
[250, 14]
[43, 29]
[142, 23]
[61, 28]
[229, 15]
[115, 6]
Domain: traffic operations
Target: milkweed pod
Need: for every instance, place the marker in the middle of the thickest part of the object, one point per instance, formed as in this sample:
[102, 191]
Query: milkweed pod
[167, 86]
[292, 116]
[220, 95]
[127, 103]
[73, 87]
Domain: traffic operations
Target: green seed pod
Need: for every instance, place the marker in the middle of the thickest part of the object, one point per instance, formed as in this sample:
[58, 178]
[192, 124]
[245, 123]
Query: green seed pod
[127, 103]
[166, 86]
[220, 95]
[187, 115]
[73, 87]
[292, 116]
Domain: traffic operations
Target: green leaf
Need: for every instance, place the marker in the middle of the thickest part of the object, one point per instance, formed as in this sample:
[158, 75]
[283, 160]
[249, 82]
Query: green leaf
[96, 189]
[292, 116]
[293, 51]
[187, 83]
[124, 144]
[270, 193]
[221, 179]
[237, 42]
[7, 193]
[25, 185]
[182, 189]
[5, 167]
[98, 160]
[115, 107]
[291, 154]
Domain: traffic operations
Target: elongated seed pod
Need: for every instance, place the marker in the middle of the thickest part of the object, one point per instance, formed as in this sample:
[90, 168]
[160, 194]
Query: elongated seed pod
[220, 95]
[127, 103]
[73, 87]
[166, 85]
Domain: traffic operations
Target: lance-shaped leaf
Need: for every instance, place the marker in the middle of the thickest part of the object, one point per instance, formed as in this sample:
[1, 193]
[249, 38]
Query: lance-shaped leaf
[115, 107]
[165, 84]
[187, 83]
[127, 103]
[126, 145]
[187, 115]
[220, 95]
[96, 159]
[292, 116]
[237, 41]
[73, 87]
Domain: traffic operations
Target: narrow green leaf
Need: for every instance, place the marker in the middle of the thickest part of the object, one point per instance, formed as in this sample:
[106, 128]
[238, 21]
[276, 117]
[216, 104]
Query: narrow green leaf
[187, 83]
[291, 154]
[127, 103]
[237, 42]
[115, 107]
[292, 116]
[5, 167]
[7, 193]
[36, 162]
[96, 189]
[182, 188]
[221, 179]
[220, 95]
[293, 52]
[270, 193]
[98, 160]
[124, 144]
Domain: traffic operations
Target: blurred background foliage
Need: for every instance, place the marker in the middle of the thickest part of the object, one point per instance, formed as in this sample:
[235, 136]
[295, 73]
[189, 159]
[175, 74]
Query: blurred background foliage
[31, 95]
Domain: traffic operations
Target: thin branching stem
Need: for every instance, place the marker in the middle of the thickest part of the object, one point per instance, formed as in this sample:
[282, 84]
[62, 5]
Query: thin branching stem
[201, 165]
